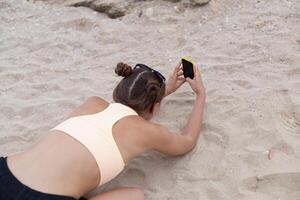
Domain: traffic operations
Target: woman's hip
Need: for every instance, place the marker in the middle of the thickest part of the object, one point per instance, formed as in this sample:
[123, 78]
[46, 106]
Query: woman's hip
[12, 189]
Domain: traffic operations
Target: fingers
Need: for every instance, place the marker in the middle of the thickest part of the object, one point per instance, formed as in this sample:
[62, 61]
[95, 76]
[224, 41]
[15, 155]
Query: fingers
[180, 73]
[180, 82]
[189, 80]
[177, 68]
[196, 68]
[178, 65]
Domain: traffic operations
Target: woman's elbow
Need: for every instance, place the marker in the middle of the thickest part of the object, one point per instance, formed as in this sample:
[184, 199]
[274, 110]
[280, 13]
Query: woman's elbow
[187, 145]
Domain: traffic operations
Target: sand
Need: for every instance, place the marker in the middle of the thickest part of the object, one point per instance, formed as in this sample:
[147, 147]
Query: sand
[53, 57]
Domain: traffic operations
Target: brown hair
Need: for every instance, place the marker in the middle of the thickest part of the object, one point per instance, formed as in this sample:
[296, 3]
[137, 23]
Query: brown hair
[140, 89]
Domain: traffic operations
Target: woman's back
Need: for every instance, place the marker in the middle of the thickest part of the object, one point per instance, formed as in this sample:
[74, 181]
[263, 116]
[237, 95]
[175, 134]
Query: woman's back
[59, 164]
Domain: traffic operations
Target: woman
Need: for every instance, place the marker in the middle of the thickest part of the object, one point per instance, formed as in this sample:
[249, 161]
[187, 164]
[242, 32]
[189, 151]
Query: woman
[99, 138]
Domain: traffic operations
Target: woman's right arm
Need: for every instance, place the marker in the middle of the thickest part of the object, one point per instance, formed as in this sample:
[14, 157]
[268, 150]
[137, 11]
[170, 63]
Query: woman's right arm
[193, 126]
[170, 143]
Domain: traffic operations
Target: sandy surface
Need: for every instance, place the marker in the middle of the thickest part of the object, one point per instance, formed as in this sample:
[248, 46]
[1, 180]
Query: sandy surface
[52, 58]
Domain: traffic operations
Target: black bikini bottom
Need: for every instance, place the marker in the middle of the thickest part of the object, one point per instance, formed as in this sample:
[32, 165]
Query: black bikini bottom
[12, 189]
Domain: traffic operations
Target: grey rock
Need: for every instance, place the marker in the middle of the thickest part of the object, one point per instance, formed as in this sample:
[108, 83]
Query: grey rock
[191, 2]
[174, 1]
[114, 8]
[199, 2]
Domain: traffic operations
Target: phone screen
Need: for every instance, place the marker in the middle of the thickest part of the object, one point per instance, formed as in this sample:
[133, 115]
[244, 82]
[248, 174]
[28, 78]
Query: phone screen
[188, 68]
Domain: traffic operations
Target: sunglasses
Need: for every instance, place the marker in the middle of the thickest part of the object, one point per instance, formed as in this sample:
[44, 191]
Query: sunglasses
[161, 78]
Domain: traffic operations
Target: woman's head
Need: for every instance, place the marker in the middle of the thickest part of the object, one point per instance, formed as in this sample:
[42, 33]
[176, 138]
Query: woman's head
[141, 89]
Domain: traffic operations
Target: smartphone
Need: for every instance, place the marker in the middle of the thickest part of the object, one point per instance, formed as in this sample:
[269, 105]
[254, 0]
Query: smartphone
[188, 68]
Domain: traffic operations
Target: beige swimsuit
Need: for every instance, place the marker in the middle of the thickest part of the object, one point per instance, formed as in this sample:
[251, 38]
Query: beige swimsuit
[95, 133]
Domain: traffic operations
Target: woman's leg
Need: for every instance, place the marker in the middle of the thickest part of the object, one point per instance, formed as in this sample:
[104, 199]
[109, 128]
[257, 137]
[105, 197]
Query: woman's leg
[120, 194]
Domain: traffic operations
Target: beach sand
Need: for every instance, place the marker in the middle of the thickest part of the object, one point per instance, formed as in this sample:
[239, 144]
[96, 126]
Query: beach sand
[53, 57]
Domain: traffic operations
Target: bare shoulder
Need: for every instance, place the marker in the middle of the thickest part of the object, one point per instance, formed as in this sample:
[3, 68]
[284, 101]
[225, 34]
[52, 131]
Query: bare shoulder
[149, 127]
[95, 101]
[132, 136]
[144, 130]
[91, 105]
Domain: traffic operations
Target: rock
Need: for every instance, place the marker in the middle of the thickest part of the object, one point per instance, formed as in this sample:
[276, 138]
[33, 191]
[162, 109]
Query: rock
[85, 3]
[114, 8]
[199, 2]
[60, 2]
[191, 2]
[174, 1]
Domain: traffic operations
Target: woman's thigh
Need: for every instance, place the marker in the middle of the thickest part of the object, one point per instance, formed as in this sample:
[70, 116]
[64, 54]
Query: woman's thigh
[120, 194]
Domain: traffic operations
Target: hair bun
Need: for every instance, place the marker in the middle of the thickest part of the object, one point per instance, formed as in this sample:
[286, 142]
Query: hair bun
[123, 69]
[152, 90]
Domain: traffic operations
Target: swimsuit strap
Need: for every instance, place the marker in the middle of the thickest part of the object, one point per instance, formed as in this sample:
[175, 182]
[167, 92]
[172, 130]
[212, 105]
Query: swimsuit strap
[116, 111]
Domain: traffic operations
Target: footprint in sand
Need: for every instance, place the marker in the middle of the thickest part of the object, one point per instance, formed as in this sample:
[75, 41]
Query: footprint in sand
[211, 164]
[283, 186]
[284, 113]
[81, 24]
[293, 72]
[243, 84]
[135, 175]
[215, 135]
[276, 110]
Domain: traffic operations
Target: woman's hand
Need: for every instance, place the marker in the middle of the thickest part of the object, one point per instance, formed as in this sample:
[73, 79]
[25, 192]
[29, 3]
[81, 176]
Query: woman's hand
[175, 80]
[196, 83]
